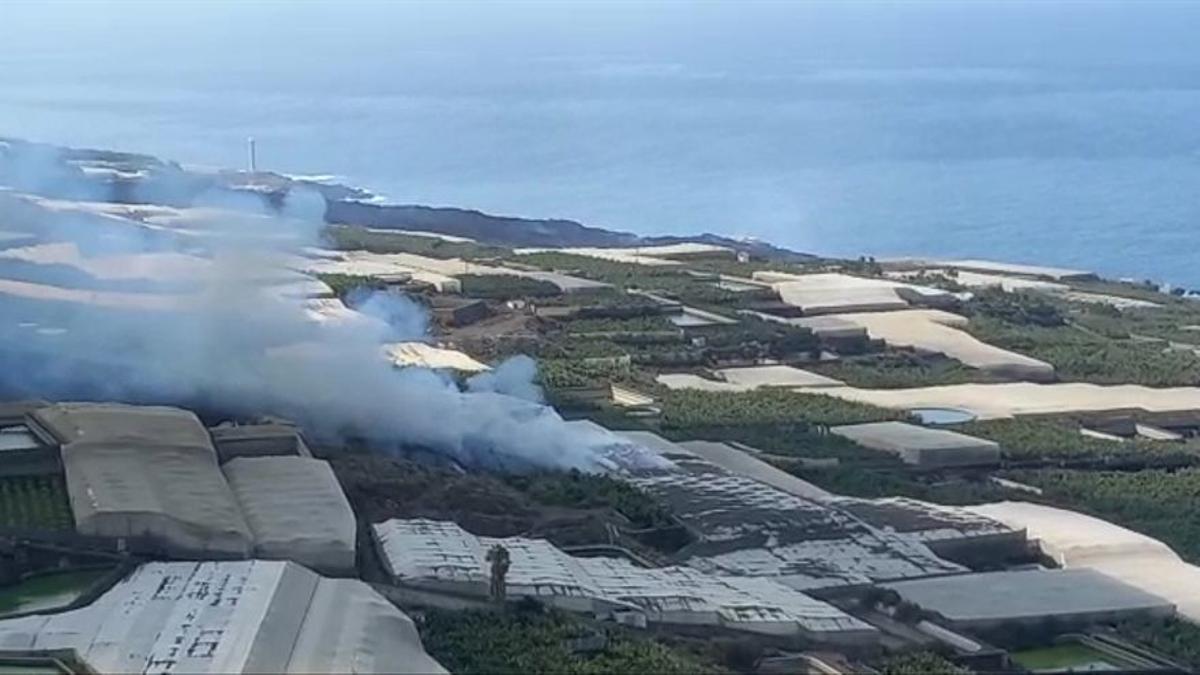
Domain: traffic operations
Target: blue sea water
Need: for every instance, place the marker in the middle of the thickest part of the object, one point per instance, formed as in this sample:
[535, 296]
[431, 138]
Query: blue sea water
[1066, 136]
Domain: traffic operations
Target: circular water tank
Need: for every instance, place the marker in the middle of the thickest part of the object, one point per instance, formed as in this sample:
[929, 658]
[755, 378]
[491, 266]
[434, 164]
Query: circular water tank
[941, 417]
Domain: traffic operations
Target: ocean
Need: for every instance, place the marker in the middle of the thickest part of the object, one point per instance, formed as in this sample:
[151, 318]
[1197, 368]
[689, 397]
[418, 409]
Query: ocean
[1052, 151]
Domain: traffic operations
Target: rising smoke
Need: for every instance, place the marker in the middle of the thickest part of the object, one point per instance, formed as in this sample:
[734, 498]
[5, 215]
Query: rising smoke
[231, 340]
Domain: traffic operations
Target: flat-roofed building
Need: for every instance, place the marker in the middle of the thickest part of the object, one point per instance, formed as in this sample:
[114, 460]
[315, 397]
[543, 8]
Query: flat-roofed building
[249, 616]
[922, 446]
[1075, 597]
[296, 510]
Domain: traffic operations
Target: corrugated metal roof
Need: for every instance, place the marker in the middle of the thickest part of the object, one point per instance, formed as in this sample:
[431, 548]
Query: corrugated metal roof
[414, 551]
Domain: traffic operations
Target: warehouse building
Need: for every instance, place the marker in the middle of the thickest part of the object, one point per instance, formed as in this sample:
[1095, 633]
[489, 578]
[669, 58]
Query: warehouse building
[922, 446]
[1073, 597]
[296, 510]
[147, 474]
[229, 617]
[443, 556]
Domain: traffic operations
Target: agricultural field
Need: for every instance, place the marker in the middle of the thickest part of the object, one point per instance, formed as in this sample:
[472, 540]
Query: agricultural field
[672, 281]
[1175, 638]
[505, 287]
[1058, 439]
[34, 502]
[533, 640]
[1082, 356]
[1063, 657]
[1084, 344]
[560, 508]
[623, 275]
[776, 421]
[634, 324]
[592, 491]
[565, 373]
[347, 237]
[919, 663]
[789, 442]
[899, 369]
[687, 408]
[1177, 321]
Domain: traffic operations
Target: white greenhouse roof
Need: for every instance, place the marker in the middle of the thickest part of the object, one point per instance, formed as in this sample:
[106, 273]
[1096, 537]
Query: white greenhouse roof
[1078, 540]
[146, 471]
[920, 445]
[423, 355]
[992, 597]
[230, 617]
[296, 510]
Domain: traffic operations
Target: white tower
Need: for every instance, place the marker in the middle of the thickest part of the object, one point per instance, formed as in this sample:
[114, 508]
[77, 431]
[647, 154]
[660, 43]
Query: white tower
[253, 156]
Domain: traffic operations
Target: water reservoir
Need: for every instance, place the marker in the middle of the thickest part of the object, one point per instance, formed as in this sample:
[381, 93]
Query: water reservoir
[941, 417]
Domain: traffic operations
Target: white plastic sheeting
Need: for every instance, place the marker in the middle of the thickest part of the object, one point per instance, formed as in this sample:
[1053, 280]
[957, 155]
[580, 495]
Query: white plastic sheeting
[1078, 540]
[922, 446]
[443, 555]
[296, 510]
[230, 617]
[991, 598]
[146, 472]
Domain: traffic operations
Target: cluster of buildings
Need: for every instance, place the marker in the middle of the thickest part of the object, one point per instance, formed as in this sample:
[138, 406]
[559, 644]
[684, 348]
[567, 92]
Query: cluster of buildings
[777, 558]
[257, 550]
[256, 539]
[442, 556]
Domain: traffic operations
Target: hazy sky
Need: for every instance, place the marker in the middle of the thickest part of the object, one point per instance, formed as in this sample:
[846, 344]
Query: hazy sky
[145, 34]
[1011, 129]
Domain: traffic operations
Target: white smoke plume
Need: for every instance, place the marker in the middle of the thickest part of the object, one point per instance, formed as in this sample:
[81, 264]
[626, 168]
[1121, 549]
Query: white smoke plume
[231, 340]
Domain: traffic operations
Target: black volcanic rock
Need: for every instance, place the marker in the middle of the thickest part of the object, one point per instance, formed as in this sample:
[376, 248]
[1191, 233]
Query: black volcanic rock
[503, 230]
[58, 172]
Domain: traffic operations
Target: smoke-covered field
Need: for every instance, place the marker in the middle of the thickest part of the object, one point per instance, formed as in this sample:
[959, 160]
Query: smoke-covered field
[195, 305]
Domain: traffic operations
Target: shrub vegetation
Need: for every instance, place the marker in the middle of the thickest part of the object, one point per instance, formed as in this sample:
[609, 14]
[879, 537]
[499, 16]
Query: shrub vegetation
[28, 502]
[529, 640]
